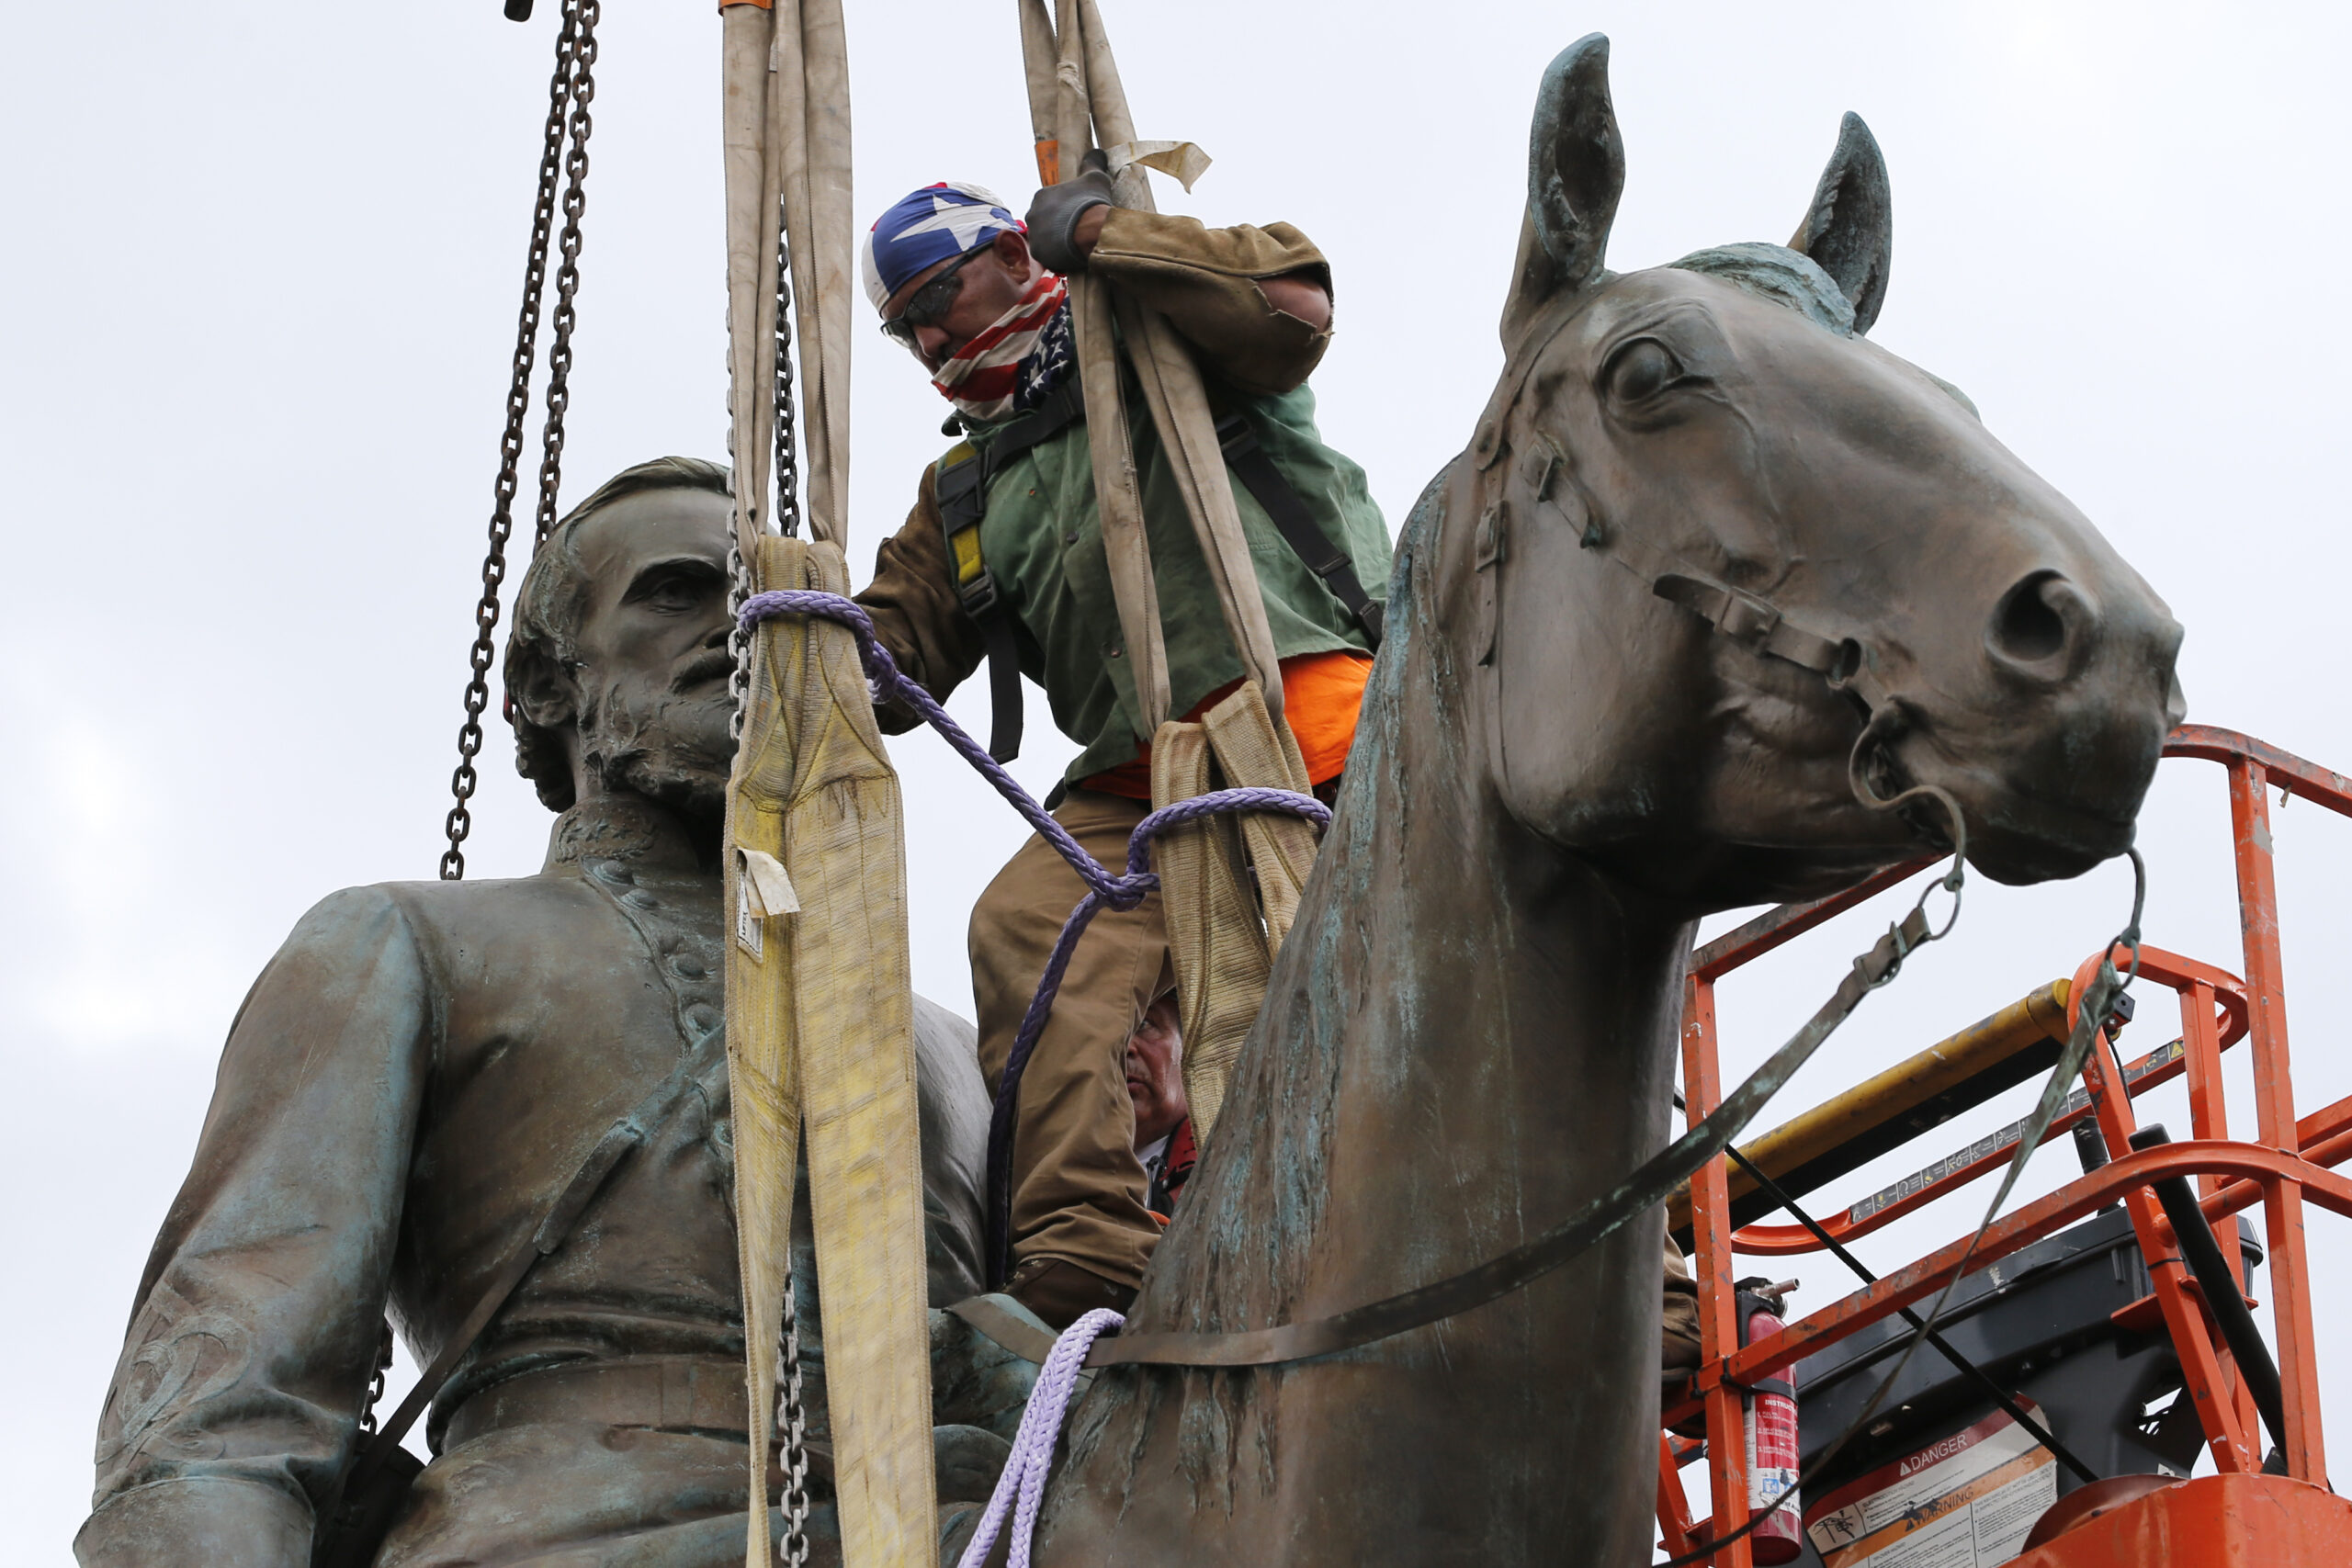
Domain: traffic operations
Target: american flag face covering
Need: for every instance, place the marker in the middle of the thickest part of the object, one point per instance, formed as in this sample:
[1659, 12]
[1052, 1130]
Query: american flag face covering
[1021, 355]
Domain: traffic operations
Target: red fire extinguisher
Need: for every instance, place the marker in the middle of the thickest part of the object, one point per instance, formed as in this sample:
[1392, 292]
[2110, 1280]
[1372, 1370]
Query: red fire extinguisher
[1770, 1410]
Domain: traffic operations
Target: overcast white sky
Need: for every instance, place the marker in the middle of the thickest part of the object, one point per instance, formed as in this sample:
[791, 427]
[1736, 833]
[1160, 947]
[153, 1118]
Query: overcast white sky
[259, 292]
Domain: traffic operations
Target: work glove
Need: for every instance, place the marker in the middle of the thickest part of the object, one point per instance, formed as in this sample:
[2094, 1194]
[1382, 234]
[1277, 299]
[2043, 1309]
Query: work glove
[1053, 216]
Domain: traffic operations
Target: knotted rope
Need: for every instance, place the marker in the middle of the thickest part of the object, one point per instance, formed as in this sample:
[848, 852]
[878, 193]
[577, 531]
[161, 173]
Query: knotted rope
[1105, 889]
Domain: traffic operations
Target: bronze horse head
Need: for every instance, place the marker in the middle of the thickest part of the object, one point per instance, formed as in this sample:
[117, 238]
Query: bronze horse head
[1716, 580]
[1725, 419]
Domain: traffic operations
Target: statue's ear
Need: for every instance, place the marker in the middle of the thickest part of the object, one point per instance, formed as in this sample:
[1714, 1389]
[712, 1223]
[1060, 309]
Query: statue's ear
[1576, 171]
[1850, 230]
[543, 691]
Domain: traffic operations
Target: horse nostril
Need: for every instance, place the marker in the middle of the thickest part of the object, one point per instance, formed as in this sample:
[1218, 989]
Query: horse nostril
[2030, 627]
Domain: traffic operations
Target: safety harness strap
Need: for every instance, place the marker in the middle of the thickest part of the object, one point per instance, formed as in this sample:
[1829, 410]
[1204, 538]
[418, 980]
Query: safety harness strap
[964, 478]
[1254, 467]
[1004, 686]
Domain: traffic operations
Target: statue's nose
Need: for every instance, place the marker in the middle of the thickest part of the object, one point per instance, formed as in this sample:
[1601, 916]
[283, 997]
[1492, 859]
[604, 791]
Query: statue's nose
[2047, 635]
[2042, 629]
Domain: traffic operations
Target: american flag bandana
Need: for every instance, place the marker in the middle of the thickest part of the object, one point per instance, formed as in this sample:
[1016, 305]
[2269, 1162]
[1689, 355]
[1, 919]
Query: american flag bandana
[929, 226]
[1010, 367]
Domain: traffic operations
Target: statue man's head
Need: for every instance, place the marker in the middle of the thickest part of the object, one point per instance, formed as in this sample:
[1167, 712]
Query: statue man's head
[617, 667]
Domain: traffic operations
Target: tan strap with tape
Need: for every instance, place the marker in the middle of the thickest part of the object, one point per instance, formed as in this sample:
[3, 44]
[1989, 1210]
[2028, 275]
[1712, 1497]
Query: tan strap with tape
[820, 1019]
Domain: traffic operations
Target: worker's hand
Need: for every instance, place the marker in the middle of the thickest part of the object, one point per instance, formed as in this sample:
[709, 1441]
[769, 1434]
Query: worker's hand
[1060, 231]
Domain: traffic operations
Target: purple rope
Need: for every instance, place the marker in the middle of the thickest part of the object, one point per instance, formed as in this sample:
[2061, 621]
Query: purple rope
[1106, 890]
[890, 685]
[1022, 1486]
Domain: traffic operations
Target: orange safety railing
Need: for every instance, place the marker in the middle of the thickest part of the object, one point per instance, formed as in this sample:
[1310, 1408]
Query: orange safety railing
[2288, 1164]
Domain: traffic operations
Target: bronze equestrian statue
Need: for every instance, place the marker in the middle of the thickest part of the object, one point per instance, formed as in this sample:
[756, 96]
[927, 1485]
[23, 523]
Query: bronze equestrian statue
[1561, 768]
[422, 1065]
[1712, 563]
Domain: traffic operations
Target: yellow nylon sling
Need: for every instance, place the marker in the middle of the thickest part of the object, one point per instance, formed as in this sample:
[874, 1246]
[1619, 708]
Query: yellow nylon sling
[819, 1017]
[1221, 939]
[819, 1003]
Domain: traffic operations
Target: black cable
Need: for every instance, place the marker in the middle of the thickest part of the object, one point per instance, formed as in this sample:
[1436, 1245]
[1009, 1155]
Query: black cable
[2096, 1004]
[2015, 1411]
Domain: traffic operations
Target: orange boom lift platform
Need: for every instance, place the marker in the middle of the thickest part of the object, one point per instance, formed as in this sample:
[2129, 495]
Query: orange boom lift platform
[2261, 1509]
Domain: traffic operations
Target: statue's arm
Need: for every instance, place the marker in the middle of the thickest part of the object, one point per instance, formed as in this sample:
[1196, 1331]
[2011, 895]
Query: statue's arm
[254, 1335]
[915, 609]
[1256, 302]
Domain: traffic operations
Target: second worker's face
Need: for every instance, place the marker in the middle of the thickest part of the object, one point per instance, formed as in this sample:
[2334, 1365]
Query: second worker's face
[987, 285]
[1155, 1068]
[652, 677]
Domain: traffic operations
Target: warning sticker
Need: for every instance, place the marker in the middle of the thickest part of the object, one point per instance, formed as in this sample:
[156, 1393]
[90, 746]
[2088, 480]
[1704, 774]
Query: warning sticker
[1964, 1502]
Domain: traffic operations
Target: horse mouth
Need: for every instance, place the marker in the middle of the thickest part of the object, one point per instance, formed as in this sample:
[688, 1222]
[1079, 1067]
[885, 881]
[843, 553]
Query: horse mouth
[2022, 826]
[2037, 839]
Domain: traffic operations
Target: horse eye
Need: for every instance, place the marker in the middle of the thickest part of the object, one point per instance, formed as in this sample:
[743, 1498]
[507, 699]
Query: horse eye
[1642, 370]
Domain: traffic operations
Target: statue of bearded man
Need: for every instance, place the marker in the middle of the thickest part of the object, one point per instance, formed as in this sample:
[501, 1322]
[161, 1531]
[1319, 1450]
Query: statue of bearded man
[423, 1069]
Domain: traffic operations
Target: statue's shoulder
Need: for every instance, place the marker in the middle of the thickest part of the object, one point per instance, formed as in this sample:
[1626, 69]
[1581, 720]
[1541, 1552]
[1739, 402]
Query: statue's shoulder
[436, 913]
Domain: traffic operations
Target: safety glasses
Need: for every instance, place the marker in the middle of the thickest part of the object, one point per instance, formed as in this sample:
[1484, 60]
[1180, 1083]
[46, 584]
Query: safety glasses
[931, 301]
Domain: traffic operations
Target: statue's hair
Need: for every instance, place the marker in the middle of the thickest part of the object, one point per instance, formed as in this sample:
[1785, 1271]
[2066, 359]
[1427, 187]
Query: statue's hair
[551, 599]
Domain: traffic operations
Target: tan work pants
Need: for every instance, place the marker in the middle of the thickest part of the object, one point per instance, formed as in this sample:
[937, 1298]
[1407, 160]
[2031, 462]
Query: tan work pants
[1078, 1189]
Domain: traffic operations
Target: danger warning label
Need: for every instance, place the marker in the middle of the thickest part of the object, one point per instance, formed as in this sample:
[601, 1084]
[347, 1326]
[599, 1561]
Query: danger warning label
[1964, 1502]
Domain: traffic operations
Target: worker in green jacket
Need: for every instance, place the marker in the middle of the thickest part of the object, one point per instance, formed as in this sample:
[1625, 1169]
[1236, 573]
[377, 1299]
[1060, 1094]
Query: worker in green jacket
[1013, 565]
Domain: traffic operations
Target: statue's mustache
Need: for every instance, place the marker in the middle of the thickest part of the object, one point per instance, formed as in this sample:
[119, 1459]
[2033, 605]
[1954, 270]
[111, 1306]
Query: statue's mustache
[714, 664]
[673, 728]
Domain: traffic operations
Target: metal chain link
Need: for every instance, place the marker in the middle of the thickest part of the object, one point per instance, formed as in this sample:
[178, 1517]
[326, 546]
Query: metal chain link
[739, 640]
[567, 276]
[789, 1404]
[463, 782]
[788, 449]
[787, 485]
[793, 1415]
[375, 1387]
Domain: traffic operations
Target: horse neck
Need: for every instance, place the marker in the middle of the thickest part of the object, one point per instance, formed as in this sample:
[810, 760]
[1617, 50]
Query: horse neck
[1468, 1033]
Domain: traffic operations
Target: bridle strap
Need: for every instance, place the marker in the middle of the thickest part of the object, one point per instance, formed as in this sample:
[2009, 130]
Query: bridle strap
[1648, 1186]
[1748, 619]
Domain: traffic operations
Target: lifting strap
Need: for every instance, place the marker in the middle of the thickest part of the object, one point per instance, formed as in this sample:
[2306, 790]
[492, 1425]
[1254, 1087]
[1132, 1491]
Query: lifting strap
[1221, 936]
[1221, 950]
[821, 1036]
[1078, 93]
[819, 1005]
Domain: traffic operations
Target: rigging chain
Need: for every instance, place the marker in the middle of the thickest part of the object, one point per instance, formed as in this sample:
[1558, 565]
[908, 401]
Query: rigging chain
[787, 450]
[788, 486]
[573, 84]
[792, 1415]
[567, 275]
[791, 1411]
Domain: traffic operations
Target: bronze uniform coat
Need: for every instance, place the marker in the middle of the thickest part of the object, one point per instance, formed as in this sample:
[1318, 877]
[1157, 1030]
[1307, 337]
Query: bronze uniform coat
[416, 1074]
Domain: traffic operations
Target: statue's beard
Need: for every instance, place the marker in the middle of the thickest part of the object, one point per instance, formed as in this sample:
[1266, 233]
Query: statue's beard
[673, 748]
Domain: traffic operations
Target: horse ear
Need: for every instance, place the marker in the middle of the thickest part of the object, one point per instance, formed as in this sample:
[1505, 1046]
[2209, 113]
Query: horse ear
[1850, 230]
[1576, 171]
